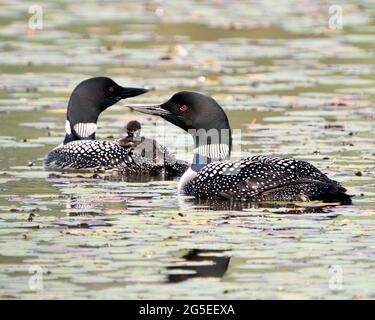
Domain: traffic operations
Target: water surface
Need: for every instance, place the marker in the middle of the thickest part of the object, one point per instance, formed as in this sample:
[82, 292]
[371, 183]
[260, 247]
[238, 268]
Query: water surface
[291, 85]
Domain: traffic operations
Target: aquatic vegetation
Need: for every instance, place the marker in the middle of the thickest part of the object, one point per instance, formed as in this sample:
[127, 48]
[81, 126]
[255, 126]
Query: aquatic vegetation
[292, 86]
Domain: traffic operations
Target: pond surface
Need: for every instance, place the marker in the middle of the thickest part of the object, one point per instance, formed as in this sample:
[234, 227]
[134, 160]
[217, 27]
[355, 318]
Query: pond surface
[291, 86]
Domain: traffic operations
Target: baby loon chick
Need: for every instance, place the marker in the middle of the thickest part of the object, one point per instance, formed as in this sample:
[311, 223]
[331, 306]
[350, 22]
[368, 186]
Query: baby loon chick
[133, 130]
[258, 178]
[150, 149]
[80, 150]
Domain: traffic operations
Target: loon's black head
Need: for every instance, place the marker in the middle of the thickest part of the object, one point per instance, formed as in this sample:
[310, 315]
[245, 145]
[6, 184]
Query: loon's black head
[190, 111]
[88, 100]
[133, 128]
[203, 118]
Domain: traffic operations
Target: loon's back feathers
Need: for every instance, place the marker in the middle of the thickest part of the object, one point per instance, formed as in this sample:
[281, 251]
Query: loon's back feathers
[149, 150]
[89, 154]
[131, 158]
[263, 178]
[107, 155]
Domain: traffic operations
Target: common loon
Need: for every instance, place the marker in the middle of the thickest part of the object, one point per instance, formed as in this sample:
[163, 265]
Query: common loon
[257, 178]
[80, 150]
[151, 150]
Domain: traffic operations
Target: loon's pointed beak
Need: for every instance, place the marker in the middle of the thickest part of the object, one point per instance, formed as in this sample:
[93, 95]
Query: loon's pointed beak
[131, 92]
[156, 109]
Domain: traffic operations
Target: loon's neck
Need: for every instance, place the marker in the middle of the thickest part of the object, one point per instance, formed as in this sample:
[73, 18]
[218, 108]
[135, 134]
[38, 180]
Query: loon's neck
[210, 147]
[79, 131]
[207, 151]
[205, 154]
[81, 118]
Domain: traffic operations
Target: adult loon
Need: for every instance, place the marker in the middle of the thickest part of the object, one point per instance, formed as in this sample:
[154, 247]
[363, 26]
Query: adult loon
[151, 150]
[257, 178]
[80, 150]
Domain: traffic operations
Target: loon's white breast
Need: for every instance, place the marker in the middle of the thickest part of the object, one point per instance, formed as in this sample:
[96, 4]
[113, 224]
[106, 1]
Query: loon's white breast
[188, 176]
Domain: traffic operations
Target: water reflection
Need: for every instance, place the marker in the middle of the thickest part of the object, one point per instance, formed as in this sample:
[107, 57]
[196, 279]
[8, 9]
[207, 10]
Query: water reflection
[201, 263]
[82, 206]
[233, 205]
[109, 175]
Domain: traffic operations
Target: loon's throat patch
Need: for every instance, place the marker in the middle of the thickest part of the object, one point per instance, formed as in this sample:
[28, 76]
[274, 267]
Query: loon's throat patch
[85, 130]
[213, 151]
[67, 127]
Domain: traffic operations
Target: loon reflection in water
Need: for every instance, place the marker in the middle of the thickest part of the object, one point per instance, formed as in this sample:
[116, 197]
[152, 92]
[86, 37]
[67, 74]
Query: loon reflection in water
[217, 265]
[270, 207]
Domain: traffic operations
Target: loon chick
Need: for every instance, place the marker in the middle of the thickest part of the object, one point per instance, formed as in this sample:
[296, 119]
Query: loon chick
[133, 131]
[150, 149]
[257, 178]
[80, 150]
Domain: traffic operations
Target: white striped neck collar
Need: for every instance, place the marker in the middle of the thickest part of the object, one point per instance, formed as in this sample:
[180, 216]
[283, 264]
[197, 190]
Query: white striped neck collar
[79, 131]
[205, 154]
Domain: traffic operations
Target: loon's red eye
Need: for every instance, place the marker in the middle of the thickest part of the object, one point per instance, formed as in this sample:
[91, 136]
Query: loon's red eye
[184, 108]
[111, 89]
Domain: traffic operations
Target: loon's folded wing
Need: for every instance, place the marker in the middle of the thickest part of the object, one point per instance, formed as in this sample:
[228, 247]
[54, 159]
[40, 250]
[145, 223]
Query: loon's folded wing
[261, 178]
[88, 154]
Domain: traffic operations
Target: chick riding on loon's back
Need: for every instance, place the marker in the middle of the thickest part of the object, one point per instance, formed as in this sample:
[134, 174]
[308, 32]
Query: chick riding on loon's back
[150, 147]
[80, 150]
[257, 178]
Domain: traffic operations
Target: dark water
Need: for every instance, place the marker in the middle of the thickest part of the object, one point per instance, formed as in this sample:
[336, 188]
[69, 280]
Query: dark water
[291, 86]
